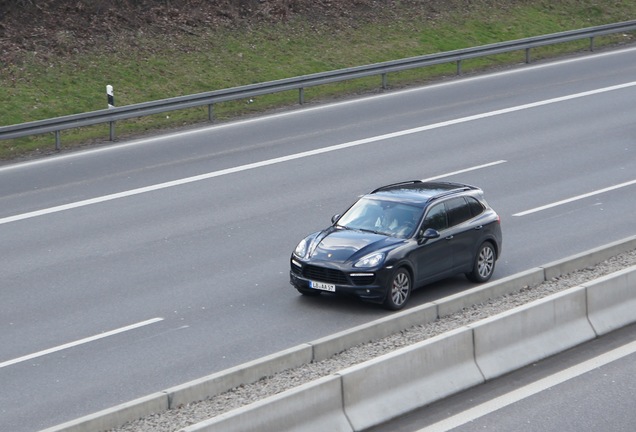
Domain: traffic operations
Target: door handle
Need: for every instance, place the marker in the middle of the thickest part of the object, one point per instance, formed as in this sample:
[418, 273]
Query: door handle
[450, 237]
[479, 227]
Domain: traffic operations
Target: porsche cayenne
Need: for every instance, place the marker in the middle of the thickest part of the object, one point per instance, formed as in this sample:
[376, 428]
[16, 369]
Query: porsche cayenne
[397, 238]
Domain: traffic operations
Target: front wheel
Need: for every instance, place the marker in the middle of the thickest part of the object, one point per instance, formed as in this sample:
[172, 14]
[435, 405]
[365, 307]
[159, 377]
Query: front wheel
[484, 264]
[399, 290]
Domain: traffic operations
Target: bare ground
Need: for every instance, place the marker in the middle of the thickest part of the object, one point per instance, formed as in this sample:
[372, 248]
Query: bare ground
[54, 28]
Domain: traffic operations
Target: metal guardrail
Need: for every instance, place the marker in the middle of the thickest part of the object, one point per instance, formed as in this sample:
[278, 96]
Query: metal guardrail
[112, 115]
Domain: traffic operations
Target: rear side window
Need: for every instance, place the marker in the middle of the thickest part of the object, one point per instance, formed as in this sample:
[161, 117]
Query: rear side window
[476, 208]
[458, 211]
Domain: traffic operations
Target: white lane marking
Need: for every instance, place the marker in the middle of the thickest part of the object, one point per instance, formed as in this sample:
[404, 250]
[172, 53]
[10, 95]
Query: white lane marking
[299, 111]
[138, 191]
[308, 154]
[530, 389]
[576, 198]
[79, 342]
[466, 170]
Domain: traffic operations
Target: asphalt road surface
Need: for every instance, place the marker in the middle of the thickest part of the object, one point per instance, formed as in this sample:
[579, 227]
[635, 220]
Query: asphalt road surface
[135, 267]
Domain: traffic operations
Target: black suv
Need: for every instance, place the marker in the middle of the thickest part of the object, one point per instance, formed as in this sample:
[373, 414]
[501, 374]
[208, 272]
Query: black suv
[397, 238]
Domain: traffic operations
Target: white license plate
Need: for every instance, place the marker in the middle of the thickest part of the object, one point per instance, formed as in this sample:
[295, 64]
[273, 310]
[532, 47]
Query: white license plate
[322, 286]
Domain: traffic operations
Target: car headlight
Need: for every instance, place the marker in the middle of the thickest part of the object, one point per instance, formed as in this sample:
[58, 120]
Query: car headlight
[301, 249]
[373, 260]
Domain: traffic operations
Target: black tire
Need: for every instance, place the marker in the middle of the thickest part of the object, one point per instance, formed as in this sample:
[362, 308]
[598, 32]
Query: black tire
[484, 264]
[309, 292]
[399, 289]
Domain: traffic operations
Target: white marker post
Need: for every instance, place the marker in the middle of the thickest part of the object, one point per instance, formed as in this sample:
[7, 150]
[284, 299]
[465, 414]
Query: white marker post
[110, 96]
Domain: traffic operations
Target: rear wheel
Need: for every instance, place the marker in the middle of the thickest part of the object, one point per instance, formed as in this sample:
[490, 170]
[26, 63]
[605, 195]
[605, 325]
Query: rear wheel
[399, 289]
[484, 264]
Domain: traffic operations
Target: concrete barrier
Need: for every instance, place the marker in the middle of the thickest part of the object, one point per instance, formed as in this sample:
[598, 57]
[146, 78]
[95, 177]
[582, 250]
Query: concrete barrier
[396, 383]
[116, 416]
[456, 302]
[246, 373]
[328, 346]
[611, 301]
[518, 337]
[588, 258]
[313, 407]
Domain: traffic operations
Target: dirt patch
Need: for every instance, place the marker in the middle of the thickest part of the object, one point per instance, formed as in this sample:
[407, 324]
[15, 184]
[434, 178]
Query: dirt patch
[54, 28]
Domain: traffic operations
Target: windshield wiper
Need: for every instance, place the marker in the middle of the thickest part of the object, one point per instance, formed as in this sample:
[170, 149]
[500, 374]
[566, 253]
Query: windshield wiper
[370, 231]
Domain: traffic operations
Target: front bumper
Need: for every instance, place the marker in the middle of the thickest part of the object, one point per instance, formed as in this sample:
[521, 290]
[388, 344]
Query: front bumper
[366, 285]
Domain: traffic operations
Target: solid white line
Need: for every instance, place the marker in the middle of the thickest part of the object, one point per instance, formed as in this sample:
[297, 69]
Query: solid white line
[79, 342]
[466, 170]
[531, 389]
[576, 198]
[303, 110]
[308, 154]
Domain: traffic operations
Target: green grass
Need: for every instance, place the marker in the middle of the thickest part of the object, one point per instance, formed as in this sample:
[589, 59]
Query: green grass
[149, 69]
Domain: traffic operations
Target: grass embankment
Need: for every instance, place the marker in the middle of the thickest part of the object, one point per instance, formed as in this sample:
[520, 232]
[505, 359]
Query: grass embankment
[151, 67]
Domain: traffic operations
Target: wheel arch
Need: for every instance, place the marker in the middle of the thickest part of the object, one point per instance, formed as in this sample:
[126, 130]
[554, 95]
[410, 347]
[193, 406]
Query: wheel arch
[493, 241]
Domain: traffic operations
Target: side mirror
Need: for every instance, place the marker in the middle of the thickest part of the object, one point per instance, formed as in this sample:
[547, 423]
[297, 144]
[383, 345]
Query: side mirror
[334, 218]
[428, 234]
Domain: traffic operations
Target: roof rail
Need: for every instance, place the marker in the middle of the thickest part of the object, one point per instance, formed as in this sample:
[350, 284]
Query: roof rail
[408, 182]
[452, 191]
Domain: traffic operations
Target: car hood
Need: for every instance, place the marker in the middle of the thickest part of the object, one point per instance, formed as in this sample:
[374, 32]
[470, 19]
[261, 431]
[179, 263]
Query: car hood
[342, 245]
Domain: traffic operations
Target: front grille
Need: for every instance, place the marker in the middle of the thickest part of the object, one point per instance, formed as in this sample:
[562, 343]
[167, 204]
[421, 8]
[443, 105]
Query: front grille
[321, 274]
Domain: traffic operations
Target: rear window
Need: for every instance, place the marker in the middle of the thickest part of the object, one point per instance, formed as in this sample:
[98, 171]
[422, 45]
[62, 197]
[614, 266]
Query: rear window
[476, 208]
[458, 211]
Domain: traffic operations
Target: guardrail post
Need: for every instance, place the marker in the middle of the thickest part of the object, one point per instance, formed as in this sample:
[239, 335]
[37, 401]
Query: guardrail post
[591, 43]
[527, 55]
[112, 131]
[210, 112]
[459, 67]
[384, 81]
[57, 140]
[301, 95]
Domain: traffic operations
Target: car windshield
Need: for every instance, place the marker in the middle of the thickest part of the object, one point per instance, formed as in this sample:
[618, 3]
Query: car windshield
[382, 217]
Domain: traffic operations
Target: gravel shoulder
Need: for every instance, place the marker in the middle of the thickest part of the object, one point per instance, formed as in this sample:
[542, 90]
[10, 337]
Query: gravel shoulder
[176, 419]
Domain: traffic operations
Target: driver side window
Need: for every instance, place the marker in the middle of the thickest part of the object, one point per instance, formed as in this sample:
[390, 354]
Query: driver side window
[436, 218]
